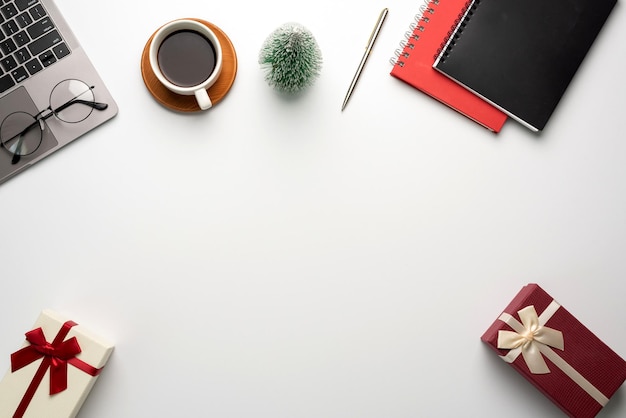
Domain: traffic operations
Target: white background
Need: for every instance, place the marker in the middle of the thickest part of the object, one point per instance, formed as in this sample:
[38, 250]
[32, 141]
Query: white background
[278, 258]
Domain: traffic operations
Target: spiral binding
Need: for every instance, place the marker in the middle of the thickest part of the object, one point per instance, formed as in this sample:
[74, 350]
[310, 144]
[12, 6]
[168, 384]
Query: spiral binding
[412, 34]
[461, 26]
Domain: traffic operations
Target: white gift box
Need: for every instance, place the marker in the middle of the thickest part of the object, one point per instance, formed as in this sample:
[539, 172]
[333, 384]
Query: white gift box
[57, 347]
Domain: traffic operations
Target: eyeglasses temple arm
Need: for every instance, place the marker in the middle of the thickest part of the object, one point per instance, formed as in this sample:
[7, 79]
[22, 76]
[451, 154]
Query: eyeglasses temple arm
[16, 155]
[95, 105]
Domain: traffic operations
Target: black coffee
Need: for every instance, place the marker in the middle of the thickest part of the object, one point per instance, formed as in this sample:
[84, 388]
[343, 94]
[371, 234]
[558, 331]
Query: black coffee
[186, 58]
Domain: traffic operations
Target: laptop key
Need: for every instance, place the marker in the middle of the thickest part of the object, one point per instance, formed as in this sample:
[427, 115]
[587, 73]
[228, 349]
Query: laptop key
[6, 82]
[19, 74]
[21, 39]
[8, 63]
[33, 66]
[47, 58]
[10, 27]
[24, 20]
[37, 12]
[8, 11]
[40, 27]
[22, 56]
[25, 4]
[61, 50]
[43, 43]
[8, 46]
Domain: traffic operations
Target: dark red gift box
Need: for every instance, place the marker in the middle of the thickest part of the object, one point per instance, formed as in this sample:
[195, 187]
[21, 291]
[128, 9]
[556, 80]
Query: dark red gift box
[556, 353]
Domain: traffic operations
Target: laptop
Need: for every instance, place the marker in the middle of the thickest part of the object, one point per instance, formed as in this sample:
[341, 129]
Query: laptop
[41, 60]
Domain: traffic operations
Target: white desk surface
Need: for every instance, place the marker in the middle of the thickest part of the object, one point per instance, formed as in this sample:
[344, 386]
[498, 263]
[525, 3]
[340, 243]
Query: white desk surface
[279, 258]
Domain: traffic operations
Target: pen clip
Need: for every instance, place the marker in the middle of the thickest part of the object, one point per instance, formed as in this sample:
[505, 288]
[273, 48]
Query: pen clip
[379, 24]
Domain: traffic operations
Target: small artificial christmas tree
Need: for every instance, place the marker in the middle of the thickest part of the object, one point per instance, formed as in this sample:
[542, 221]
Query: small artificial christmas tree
[290, 58]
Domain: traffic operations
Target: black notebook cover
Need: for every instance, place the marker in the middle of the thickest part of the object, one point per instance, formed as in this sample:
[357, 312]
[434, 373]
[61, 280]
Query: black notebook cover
[520, 55]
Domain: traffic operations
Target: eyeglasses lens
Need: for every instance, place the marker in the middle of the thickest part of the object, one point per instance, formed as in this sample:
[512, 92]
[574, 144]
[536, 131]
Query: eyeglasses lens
[70, 101]
[20, 133]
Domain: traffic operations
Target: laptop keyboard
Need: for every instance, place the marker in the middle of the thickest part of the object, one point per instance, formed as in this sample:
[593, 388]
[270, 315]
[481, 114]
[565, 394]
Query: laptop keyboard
[29, 41]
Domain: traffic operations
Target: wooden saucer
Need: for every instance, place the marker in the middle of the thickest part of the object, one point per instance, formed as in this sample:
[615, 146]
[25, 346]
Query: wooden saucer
[217, 91]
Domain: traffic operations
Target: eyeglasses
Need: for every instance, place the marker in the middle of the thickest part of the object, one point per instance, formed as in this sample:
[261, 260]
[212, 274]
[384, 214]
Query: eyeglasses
[71, 101]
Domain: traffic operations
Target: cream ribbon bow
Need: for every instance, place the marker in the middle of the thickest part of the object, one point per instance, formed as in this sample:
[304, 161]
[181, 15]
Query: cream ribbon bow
[533, 340]
[528, 337]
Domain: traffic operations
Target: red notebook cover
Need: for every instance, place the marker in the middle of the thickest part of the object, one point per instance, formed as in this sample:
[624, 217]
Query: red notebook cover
[415, 63]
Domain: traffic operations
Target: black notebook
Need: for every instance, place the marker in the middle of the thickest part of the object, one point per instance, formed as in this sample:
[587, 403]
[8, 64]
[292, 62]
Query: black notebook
[520, 55]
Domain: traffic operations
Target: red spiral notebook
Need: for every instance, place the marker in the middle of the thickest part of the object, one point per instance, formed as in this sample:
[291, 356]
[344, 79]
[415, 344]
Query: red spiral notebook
[434, 25]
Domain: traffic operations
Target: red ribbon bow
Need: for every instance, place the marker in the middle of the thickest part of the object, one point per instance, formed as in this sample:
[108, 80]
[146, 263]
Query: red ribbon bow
[56, 355]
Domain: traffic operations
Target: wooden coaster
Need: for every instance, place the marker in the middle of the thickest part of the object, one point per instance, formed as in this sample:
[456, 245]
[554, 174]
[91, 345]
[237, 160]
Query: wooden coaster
[217, 91]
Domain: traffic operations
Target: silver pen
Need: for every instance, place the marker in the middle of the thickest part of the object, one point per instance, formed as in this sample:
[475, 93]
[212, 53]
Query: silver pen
[368, 50]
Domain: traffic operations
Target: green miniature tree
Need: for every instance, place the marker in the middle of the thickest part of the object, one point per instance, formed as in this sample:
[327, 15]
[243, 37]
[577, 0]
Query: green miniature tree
[290, 58]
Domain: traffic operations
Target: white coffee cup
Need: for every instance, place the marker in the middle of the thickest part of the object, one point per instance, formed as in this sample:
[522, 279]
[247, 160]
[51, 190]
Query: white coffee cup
[186, 57]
